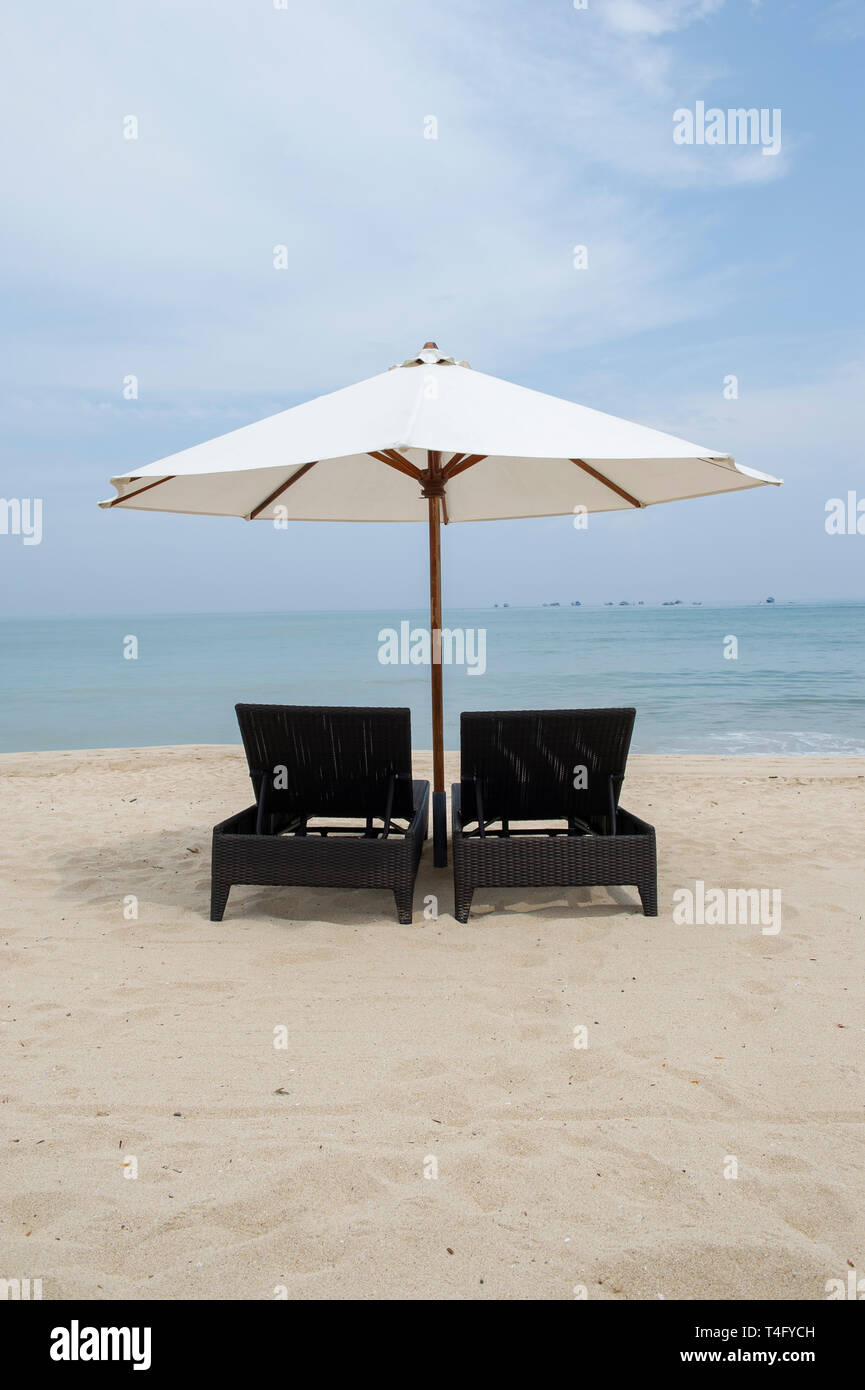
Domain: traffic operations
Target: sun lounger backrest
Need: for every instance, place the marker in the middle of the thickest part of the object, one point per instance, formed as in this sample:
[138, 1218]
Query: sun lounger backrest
[539, 764]
[328, 760]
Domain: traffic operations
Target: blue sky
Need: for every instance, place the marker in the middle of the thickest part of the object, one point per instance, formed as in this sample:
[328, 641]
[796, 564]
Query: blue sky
[304, 126]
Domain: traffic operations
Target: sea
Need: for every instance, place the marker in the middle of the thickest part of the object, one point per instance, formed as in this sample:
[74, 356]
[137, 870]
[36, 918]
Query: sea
[756, 678]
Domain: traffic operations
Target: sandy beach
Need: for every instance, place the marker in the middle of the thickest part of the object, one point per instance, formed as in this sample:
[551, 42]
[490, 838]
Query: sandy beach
[145, 1045]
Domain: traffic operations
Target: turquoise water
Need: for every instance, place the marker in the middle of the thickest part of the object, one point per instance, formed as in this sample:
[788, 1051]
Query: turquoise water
[798, 685]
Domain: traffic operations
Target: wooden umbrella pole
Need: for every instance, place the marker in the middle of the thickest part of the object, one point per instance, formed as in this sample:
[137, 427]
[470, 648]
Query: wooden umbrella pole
[433, 491]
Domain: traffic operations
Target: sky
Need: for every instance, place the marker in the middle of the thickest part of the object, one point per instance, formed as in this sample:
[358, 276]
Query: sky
[264, 123]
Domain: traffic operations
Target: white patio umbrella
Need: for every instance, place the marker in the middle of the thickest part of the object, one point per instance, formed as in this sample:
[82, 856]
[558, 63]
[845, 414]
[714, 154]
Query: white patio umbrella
[431, 441]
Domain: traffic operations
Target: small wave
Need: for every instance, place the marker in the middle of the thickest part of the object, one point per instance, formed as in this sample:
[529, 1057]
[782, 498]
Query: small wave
[787, 742]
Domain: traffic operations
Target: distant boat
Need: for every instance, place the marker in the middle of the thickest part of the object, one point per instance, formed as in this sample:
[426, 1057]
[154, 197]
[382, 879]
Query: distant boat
[770, 600]
[575, 603]
[623, 603]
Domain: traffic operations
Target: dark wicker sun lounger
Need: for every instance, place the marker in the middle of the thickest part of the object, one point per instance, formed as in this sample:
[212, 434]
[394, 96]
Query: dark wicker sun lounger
[523, 766]
[311, 763]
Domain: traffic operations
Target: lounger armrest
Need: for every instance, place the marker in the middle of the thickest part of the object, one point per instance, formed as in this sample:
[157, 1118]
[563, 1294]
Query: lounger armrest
[243, 823]
[456, 809]
[629, 824]
[420, 793]
[388, 804]
[420, 818]
[260, 805]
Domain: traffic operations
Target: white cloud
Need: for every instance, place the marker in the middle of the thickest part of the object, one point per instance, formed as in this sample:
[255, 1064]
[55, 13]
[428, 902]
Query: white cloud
[807, 425]
[654, 19]
[305, 128]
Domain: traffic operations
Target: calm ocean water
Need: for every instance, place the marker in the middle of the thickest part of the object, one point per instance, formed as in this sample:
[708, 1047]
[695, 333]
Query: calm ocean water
[798, 685]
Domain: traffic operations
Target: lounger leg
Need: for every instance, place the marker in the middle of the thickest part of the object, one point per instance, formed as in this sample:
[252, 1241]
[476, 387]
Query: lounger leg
[648, 891]
[462, 903]
[404, 898]
[218, 898]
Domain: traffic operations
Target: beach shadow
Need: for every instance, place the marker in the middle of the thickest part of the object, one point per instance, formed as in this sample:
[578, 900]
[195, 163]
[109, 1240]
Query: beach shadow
[166, 867]
[496, 906]
[171, 869]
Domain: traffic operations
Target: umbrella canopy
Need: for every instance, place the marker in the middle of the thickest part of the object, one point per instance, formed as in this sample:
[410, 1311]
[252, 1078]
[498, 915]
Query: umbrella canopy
[354, 455]
[431, 441]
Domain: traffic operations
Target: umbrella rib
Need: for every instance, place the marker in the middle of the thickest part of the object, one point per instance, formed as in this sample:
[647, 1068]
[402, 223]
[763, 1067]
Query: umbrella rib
[459, 463]
[607, 482]
[138, 491]
[395, 460]
[283, 487]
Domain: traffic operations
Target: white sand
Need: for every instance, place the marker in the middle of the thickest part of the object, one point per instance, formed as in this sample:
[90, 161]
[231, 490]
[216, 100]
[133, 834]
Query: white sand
[303, 1168]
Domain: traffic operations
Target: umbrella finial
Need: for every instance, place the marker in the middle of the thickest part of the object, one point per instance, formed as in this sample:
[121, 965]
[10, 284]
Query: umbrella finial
[431, 355]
